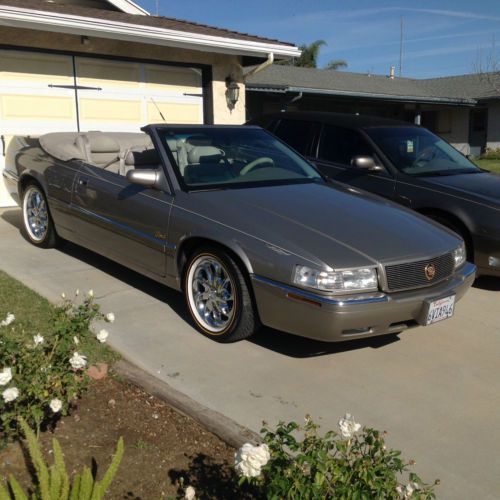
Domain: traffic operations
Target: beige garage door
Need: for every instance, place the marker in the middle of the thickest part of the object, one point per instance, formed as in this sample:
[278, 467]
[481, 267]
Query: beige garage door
[42, 93]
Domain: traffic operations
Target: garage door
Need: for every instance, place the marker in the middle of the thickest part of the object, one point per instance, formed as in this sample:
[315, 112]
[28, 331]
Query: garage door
[42, 93]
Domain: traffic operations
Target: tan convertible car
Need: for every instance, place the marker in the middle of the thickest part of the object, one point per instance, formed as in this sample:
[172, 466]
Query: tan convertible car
[246, 228]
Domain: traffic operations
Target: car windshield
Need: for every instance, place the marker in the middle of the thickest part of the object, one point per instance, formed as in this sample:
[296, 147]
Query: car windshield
[220, 157]
[418, 152]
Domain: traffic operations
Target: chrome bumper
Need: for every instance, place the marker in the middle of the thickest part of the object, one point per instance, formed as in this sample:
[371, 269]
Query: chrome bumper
[338, 318]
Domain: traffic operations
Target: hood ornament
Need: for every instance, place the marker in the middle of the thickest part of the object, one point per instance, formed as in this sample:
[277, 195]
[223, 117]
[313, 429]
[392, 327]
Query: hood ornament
[430, 271]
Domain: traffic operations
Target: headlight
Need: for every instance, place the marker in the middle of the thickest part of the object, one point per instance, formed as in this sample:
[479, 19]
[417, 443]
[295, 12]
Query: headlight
[354, 280]
[459, 255]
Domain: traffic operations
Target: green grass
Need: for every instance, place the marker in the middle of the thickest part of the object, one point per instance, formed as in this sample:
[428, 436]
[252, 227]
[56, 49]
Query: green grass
[491, 165]
[34, 314]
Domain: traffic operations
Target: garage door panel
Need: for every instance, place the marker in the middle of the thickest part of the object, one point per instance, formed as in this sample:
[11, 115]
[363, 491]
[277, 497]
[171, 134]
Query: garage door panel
[37, 107]
[174, 113]
[172, 79]
[28, 68]
[106, 110]
[107, 74]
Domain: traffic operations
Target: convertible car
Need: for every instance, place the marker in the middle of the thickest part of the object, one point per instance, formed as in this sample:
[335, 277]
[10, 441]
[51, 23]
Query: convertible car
[247, 229]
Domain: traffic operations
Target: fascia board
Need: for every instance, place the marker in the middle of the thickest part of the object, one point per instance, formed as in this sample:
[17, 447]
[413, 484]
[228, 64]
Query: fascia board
[78, 25]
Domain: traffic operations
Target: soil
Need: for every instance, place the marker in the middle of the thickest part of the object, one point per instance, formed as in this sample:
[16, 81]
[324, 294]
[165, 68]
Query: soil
[161, 446]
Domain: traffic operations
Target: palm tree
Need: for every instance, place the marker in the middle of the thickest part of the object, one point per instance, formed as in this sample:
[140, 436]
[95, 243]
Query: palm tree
[309, 57]
[336, 64]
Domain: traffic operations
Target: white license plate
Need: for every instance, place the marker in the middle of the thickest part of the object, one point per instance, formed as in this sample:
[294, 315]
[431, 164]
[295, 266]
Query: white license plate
[440, 309]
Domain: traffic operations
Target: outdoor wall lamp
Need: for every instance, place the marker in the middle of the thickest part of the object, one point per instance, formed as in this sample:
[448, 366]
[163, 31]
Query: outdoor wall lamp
[232, 92]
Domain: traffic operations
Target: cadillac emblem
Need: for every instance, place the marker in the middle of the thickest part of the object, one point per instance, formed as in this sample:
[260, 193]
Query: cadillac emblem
[430, 272]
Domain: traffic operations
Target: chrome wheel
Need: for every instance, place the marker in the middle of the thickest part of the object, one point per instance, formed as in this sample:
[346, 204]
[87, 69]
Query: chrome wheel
[211, 294]
[36, 215]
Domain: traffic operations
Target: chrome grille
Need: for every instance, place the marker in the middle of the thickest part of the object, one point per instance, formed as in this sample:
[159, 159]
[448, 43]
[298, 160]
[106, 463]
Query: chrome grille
[413, 275]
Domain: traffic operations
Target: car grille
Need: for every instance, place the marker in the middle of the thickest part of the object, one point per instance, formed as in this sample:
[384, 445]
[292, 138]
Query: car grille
[413, 274]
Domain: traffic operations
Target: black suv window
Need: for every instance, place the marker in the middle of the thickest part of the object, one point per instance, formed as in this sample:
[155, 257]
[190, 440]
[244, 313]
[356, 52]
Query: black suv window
[340, 145]
[296, 133]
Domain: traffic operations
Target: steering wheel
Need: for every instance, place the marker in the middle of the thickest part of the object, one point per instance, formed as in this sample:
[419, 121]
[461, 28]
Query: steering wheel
[425, 156]
[258, 162]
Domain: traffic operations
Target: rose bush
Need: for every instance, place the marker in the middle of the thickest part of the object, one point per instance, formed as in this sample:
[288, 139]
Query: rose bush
[296, 462]
[41, 376]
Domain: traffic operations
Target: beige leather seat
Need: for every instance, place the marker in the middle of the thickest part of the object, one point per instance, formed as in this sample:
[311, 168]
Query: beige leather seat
[100, 150]
[140, 158]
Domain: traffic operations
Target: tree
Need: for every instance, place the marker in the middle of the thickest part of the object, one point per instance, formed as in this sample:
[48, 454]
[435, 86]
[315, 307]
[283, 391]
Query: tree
[309, 57]
[336, 64]
[487, 67]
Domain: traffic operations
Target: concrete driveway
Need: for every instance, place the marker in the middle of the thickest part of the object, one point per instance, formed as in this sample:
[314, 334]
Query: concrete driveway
[436, 389]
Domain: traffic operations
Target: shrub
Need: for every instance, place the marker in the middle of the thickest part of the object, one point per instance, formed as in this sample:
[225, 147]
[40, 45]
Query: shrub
[40, 377]
[491, 154]
[355, 464]
[53, 482]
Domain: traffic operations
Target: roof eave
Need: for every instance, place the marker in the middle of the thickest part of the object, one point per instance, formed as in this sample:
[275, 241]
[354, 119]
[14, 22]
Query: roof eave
[89, 26]
[369, 95]
[129, 7]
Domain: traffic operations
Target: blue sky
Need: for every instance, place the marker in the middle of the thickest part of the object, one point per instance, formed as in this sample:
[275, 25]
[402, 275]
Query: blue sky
[440, 37]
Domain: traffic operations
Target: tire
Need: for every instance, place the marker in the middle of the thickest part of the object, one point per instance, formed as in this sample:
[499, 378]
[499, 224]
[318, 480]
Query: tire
[212, 276]
[469, 248]
[37, 221]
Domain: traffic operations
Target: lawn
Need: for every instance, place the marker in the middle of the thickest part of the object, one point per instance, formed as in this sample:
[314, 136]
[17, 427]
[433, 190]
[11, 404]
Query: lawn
[491, 165]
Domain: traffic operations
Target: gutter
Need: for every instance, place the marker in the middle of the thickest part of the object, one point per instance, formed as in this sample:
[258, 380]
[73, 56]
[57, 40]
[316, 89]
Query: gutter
[348, 93]
[93, 27]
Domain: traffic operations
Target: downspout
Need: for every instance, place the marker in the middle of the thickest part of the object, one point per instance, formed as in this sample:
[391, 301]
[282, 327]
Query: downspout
[298, 97]
[260, 67]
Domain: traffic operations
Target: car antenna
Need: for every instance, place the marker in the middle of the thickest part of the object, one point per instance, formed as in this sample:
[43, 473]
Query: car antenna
[158, 109]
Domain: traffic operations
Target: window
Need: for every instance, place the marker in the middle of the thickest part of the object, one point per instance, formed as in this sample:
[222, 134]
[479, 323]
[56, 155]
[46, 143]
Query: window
[297, 134]
[340, 145]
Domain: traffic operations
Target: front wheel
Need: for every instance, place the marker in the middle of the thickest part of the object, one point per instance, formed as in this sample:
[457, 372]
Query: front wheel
[218, 296]
[38, 223]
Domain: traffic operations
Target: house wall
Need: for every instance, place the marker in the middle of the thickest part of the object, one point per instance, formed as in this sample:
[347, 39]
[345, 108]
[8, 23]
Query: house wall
[222, 65]
[493, 139]
[458, 134]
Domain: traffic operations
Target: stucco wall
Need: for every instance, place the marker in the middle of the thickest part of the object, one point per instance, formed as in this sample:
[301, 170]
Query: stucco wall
[459, 133]
[493, 140]
[222, 65]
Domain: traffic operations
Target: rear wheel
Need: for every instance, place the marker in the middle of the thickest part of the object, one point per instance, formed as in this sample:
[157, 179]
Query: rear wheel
[38, 223]
[218, 297]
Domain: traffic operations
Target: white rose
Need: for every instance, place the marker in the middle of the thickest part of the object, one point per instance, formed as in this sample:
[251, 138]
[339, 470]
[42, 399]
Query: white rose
[190, 493]
[348, 426]
[56, 405]
[77, 292]
[406, 492]
[102, 336]
[76, 340]
[10, 318]
[38, 339]
[90, 293]
[250, 459]
[110, 317]
[5, 376]
[63, 296]
[78, 361]
[10, 394]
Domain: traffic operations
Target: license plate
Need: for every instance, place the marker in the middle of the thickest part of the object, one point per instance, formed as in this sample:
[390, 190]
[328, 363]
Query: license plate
[440, 309]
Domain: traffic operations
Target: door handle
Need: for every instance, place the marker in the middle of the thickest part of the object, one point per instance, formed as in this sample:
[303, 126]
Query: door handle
[83, 182]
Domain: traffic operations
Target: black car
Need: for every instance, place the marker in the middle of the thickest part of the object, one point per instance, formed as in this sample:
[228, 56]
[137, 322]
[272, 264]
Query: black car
[405, 163]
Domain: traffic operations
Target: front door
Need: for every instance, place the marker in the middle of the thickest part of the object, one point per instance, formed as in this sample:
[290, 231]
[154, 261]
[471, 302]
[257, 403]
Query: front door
[337, 147]
[123, 221]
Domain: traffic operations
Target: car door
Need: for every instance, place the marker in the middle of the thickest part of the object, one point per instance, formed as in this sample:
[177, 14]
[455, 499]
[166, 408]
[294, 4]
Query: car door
[123, 221]
[336, 149]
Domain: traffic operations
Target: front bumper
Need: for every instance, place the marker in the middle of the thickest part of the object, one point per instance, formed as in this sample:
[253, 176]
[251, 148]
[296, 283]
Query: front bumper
[334, 319]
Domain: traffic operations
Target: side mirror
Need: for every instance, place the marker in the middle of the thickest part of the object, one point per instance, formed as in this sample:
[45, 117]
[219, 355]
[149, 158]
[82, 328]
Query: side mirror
[145, 177]
[366, 163]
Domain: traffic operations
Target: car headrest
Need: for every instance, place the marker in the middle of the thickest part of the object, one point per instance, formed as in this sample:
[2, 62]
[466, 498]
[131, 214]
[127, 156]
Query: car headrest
[101, 143]
[144, 157]
[204, 154]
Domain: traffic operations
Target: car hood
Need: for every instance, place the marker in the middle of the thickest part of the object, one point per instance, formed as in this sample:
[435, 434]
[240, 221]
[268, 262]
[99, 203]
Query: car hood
[483, 187]
[340, 226]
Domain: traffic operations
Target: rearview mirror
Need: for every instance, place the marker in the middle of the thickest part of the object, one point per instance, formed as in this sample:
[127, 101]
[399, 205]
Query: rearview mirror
[366, 163]
[145, 177]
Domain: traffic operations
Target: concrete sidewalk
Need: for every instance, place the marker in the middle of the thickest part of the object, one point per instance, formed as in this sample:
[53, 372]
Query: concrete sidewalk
[436, 389]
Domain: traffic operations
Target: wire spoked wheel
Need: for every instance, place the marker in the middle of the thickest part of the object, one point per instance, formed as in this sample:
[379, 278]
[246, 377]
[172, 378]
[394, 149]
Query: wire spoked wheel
[218, 298]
